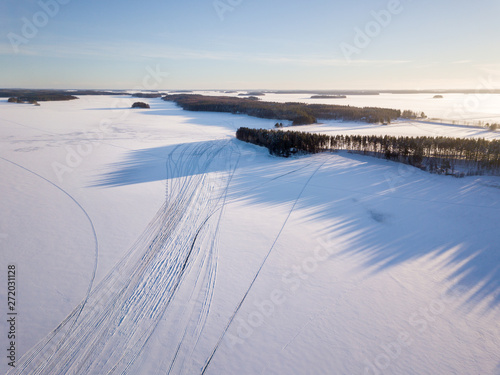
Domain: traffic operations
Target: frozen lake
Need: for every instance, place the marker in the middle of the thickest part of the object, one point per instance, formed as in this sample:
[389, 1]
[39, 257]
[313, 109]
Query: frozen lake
[164, 245]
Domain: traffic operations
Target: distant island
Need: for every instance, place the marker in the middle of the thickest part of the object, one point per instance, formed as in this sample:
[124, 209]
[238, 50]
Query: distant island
[326, 92]
[46, 95]
[253, 93]
[21, 101]
[438, 97]
[147, 95]
[328, 97]
[33, 96]
[140, 105]
[487, 90]
[298, 113]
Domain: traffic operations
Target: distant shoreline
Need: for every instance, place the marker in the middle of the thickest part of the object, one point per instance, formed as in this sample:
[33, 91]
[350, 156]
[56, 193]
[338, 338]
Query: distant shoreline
[261, 92]
[329, 97]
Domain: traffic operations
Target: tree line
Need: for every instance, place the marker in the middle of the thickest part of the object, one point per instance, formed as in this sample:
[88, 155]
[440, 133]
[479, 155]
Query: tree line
[443, 155]
[45, 95]
[298, 113]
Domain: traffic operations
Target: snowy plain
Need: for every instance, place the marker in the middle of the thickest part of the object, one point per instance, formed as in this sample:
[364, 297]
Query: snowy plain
[205, 252]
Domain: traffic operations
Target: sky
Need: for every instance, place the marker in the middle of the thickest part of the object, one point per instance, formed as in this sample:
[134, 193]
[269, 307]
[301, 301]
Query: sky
[249, 44]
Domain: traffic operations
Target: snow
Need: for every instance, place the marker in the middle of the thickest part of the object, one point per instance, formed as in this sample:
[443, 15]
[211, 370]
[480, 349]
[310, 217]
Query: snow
[363, 266]
[415, 128]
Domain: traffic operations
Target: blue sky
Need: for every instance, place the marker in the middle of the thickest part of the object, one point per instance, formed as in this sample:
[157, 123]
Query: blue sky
[249, 44]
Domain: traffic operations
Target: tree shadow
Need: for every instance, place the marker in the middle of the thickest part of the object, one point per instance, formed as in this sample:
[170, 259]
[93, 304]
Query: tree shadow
[390, 213]
[166, 162]
[389, 224]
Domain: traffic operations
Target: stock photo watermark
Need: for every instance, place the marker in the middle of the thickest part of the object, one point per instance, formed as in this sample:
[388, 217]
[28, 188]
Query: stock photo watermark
[76, 155]
[292, 280]
[419, 321]
[363, 36]
[397, 179]
[223, 6]
[11, 315]
[32, 25]
[487, 84]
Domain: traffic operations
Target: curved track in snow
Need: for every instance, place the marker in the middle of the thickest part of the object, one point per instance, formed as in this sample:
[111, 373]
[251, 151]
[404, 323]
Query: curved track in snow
[178, 248]
[72, 319]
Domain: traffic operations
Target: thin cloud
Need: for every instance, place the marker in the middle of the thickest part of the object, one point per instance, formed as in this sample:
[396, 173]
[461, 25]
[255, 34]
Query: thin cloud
[462, 62]
[140, 51]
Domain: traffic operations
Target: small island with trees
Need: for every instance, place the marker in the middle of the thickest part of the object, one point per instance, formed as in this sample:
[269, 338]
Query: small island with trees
[51, 95]
[140, 105]
[35, 96]
[23, 101]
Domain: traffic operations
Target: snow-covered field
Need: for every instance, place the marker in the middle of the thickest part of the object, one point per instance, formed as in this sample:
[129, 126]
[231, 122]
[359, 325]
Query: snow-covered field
[152, 242]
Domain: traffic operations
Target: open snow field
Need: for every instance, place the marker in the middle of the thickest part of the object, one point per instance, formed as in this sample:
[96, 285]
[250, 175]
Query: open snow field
[153, 242]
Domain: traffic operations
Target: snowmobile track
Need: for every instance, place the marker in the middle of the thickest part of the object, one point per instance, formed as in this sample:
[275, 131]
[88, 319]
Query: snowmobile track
[123, 311]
